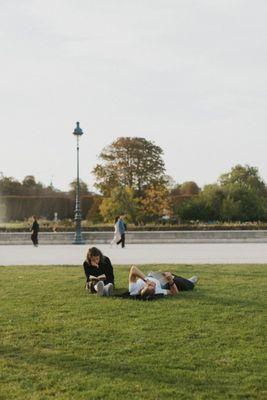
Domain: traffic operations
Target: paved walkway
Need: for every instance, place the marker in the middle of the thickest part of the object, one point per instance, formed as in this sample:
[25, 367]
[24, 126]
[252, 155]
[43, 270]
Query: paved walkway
[206, 253]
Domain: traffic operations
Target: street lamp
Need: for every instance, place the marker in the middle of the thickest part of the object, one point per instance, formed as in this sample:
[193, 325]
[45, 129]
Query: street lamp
[77, 213]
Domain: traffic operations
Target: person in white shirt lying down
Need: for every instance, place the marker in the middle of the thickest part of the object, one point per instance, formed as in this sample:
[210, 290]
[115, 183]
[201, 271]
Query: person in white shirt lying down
[157, 283]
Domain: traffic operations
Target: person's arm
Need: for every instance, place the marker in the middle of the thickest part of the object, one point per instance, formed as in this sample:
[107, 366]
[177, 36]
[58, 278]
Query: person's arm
[86, 270]
[101, 277]
[89, 273]
[109, 270]
[173, 288]
[136, 273]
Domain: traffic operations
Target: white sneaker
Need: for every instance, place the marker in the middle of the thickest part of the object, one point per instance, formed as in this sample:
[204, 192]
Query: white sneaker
[193, 279]
[108, 289]
[99, 287]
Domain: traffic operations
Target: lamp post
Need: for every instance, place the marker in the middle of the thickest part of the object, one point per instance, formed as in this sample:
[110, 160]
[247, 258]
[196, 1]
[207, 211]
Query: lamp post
[77, 213]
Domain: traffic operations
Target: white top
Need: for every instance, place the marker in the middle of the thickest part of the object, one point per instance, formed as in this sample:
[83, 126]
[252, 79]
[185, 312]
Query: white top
[116, 228]
[117, 235]
[136, 287]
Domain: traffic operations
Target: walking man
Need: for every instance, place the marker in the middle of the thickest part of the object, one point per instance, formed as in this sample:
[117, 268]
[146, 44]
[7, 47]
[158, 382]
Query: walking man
[122, 229]
[34, 231]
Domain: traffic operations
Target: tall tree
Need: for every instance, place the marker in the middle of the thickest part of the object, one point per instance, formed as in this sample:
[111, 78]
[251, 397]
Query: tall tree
[246, 177]
[129, 162]
[9, 186]
[245, 194]
[121, 201]
[31, 187]
[83, 188]
[189, 188]
[155, 203]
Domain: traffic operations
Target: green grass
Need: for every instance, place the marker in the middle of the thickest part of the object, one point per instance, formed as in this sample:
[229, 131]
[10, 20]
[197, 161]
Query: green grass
[59, 342]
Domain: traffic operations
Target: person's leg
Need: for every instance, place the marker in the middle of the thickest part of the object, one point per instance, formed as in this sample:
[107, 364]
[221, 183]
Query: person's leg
[108, 289]
[119, 241]
[183, 284]
[99, 288]
[193, 279]
[123, 240]
[34, 239]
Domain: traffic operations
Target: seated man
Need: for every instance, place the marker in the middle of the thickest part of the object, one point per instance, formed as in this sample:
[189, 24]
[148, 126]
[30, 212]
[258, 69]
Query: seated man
[157, 283]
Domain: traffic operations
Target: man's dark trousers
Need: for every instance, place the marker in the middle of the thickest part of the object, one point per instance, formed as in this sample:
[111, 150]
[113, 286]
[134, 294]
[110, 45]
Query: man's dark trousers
[181, 283]
[122, 240]
[34, 238]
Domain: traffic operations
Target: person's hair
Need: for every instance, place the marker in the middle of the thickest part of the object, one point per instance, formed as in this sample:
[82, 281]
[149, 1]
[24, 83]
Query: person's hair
[34, 216]
[116, 219]
[147, 292]
[94, 252]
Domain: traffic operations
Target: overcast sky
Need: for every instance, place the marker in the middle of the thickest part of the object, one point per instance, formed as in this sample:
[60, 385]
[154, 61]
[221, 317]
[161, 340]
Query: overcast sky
[189, 75]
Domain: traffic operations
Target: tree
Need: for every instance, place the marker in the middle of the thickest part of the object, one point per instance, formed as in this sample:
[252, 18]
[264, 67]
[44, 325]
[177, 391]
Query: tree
[205, 206]
[9, 186]
[212, 197]
[129, 162]
[83, 188]
[194, 209]
[94, 215]
[243, 204]
[155, 203]
[121, 201]
[240, 195]
[30, 186]
[189, 188]
[246, 177]
[245, 194]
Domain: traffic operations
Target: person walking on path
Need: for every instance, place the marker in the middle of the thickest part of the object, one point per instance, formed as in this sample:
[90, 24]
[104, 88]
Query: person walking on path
[122, 229]
[35, 231]
[117, 235]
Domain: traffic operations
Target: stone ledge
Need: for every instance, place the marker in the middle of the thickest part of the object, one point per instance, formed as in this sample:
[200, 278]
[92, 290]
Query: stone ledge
[140, 237]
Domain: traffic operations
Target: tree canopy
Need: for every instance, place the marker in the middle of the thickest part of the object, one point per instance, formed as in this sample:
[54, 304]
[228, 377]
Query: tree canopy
[239, 195]
[131, 162]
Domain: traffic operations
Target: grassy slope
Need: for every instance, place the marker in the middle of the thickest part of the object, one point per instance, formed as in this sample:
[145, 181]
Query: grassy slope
[59, 342]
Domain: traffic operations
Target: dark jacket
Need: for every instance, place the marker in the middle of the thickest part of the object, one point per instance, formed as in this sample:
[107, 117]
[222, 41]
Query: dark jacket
[35, 227]
[105, 267]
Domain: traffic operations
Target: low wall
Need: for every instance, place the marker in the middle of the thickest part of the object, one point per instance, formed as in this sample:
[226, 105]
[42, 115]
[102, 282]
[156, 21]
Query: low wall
[141, 237]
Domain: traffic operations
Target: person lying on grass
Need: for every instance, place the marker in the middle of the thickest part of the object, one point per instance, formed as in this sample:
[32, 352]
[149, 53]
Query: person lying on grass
[156, 283]
[99, 273]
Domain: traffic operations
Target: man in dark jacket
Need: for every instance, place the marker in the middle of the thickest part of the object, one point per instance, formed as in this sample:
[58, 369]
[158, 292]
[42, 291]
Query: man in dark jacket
[35, 231]
[122, 229]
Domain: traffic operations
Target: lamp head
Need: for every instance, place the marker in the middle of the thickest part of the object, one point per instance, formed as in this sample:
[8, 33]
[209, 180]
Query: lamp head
[77, 131]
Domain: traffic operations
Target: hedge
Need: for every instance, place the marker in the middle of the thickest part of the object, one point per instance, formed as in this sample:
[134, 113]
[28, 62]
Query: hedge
[19, 208]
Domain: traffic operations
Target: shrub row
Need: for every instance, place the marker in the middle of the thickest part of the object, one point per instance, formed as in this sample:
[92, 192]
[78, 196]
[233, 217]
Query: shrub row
[109, 228]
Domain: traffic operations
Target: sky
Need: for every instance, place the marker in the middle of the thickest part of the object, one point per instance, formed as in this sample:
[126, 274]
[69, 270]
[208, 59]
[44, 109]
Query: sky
[189, 75]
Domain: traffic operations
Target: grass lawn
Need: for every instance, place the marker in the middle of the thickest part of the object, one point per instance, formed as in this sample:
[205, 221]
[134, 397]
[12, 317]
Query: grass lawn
[59, 342]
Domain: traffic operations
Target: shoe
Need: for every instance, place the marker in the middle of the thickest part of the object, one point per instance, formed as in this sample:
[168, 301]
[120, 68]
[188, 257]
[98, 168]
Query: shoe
[108, 289]
[193, 279]
[99, 287]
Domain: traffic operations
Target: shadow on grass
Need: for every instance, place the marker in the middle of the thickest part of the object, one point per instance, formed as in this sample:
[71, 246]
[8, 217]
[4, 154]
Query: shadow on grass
[204, 296]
